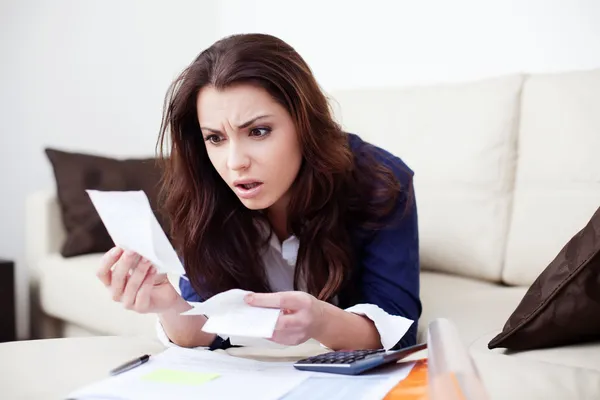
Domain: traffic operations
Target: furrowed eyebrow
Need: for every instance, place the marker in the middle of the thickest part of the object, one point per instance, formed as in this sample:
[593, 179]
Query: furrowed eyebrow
[242, 126]
[203, 128]
[253, 120]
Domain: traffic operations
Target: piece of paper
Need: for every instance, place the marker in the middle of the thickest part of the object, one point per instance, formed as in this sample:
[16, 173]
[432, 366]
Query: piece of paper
[370, 385]
[238, 379]
[229, 315]
[333, 388]
[337, 387]
[132, 225]
[241, 378]
[179, 377]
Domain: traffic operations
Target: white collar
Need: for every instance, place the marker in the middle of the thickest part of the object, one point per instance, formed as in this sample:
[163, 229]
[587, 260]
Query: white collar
[288, 248]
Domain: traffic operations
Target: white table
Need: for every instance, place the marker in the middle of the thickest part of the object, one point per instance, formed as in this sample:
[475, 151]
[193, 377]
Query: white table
[52, 368]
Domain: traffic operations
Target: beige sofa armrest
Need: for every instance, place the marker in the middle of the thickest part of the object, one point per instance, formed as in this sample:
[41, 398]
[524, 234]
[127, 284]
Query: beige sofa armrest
[44, 229]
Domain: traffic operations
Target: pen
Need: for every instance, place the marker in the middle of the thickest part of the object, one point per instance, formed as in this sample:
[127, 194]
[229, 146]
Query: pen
[130, 364]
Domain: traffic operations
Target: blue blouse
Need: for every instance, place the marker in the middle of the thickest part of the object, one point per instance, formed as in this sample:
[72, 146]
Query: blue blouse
[387, 259]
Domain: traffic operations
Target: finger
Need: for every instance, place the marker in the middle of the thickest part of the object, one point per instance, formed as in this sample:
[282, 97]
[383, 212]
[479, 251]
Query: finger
[267, 300]
[142, 300]
[281, 300]
[289, 322]
[106, 262]
[278, 337]
[120, 273]
[288, 338]
[134, 282]
[159, 279]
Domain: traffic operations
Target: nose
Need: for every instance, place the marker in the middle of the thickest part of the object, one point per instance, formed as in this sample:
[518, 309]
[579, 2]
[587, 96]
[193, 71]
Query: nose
[237, 159]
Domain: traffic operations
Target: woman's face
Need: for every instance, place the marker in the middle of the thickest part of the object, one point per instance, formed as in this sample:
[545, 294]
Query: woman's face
[251, 141]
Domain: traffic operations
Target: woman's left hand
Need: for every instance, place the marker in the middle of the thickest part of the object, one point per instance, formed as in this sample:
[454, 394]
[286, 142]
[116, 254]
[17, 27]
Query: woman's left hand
[301, 315]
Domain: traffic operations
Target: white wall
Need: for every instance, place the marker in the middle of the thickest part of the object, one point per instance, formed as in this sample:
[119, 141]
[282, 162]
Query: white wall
[91, 75]
[87, 76]
[406, 42]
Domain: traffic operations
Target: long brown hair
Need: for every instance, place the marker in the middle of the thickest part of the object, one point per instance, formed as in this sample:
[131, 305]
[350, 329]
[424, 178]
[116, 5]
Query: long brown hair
[218, 238]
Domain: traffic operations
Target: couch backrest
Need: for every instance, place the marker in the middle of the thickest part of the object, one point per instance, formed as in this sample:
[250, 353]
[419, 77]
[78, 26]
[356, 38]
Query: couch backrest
[557, 186]
[460, 140]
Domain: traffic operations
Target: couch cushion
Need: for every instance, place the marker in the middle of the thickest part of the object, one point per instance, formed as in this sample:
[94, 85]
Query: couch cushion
[558, 175]
[582, 355]
[566, 372]
[462, 193]
[70, 290]
[520, 378]
[475, 307]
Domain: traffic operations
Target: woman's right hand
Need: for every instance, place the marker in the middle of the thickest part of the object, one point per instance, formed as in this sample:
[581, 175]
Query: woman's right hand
[143, 289]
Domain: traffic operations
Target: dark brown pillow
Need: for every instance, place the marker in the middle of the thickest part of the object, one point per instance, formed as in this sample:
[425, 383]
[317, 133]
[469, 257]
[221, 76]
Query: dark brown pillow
[76, 172]
[562, 306]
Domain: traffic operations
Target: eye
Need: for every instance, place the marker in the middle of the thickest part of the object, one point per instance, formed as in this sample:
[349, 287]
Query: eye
[213, 139]
[260, 132]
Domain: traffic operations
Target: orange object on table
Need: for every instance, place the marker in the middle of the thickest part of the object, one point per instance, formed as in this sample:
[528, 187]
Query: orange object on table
[413, 387]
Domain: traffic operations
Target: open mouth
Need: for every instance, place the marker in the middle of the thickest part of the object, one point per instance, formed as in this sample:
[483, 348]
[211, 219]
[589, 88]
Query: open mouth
[249, 189]
[249, 186]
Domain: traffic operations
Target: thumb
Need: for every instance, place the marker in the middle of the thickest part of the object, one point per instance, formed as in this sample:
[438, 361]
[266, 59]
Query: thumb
[281, 300]
[160, 279]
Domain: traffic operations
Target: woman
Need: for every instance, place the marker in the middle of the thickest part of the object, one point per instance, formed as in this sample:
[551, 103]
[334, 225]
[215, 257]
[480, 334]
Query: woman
[266, 193]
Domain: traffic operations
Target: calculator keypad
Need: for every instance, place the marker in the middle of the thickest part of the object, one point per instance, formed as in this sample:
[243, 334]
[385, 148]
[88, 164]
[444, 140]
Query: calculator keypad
[340, 357]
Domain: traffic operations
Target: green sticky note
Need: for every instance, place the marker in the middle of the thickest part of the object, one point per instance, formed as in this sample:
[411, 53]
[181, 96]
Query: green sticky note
[176, 377]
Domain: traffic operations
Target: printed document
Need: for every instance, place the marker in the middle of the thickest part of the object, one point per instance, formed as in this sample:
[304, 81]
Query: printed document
[183, 374]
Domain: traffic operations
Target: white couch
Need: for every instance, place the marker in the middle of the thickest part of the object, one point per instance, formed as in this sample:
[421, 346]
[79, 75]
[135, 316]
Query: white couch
[506, 171]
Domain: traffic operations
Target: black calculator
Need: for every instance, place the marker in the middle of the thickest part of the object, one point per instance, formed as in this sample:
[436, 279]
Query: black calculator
[354, 362]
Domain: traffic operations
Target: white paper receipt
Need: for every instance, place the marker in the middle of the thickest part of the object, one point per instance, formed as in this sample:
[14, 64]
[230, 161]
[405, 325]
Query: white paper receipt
[229, 315]
[132, 225]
